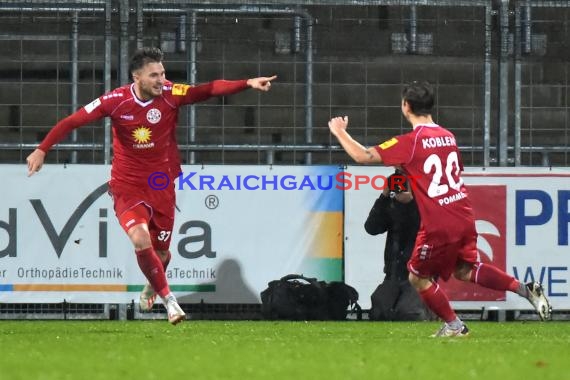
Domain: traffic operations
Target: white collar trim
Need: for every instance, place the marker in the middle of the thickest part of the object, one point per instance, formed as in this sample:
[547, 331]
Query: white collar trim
[136, 98]
[429, 125]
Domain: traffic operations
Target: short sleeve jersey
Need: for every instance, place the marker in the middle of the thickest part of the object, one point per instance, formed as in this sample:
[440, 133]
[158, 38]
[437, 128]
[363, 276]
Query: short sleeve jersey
[430, 158]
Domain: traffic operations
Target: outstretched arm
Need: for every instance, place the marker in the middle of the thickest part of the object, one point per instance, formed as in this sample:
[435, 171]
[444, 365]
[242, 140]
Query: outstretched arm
[357, 151]
[220, 87]
[261, 83]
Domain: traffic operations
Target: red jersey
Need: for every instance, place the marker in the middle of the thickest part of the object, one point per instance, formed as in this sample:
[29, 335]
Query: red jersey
[431, 159]
[144, 132]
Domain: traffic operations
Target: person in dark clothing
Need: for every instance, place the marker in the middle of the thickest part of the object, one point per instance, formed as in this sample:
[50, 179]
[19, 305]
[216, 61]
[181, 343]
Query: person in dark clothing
[396, 213]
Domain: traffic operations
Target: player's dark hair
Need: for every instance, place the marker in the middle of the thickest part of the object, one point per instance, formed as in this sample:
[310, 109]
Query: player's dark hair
[419, 95]
[143, 56]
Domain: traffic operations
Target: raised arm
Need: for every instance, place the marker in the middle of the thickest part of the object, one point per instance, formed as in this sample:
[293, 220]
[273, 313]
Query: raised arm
[357, 151]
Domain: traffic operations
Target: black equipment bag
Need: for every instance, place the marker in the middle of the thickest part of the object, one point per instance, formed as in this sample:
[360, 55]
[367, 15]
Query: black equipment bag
[295, 297]
[342, 297]
[395, 300]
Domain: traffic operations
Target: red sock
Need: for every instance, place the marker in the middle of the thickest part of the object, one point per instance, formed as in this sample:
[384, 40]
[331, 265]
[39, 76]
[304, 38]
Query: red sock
[493, 278]
[152, 268]
[436, 300]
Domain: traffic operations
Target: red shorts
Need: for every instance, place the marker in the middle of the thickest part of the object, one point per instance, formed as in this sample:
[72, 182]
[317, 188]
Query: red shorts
[431, 259]
[135, 205]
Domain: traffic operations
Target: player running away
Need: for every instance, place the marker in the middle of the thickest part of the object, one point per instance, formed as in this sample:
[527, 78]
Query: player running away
[447, 240]
[144, 116]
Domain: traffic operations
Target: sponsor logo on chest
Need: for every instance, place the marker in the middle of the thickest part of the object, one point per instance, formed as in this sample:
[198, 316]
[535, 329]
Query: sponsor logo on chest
[143, 138]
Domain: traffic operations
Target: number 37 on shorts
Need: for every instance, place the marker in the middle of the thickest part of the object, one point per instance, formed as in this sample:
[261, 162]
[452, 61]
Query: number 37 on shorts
[164, 235]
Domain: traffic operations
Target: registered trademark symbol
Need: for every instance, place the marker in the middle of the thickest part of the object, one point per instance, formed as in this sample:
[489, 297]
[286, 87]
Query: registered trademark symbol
[212, 202]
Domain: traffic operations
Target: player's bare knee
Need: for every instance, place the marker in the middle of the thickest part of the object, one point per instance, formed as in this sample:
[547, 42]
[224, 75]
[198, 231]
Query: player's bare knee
[419, 283]
[412, 278]
[141, 243]
[140, 237]
[463, 272]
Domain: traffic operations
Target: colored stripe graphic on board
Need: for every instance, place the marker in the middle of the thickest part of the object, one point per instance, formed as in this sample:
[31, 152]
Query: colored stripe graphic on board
[97, 288]
[178, 288]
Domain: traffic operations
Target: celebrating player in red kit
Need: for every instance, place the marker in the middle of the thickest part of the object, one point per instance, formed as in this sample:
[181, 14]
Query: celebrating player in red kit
[447, 240]
[144, 116]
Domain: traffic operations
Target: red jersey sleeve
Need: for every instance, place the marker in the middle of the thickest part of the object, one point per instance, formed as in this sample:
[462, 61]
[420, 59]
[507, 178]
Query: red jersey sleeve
[88, 114]
[396, 151]
[186, 94]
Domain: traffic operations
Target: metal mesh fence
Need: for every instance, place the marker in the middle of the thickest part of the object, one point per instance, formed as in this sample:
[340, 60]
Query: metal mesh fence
[51, 64]
[500, 70]
[542, 56]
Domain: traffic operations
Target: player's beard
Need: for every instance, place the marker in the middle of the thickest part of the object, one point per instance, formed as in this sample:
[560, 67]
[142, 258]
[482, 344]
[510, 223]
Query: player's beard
[149, 91]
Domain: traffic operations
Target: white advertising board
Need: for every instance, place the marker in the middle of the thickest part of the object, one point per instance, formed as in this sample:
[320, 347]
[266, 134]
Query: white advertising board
[522, 216]
[236, 229]
[239, 227]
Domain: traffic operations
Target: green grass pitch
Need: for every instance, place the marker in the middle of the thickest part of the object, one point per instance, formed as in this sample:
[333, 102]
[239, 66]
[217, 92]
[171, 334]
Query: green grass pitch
[88, 350]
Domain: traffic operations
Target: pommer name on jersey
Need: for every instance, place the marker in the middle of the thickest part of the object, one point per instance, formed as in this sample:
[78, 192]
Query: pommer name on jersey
[452, 198]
